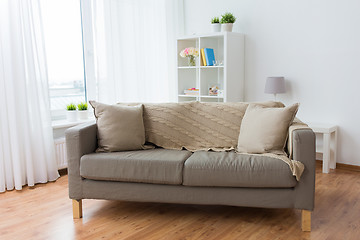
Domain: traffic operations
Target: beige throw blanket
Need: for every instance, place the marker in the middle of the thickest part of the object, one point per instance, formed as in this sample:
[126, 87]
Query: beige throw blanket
[296, 167]
[199, 126]
[196, 126]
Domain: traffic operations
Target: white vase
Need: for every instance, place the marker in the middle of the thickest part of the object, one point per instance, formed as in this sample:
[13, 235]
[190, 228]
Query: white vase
[226, 27]
[215, 27]
[83, 115]
[71, 116]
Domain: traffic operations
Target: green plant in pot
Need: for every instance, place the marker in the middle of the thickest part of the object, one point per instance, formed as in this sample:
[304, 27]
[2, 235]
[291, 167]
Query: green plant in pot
[215, 24]
[71, 113]
[227, 21]
[83, 110]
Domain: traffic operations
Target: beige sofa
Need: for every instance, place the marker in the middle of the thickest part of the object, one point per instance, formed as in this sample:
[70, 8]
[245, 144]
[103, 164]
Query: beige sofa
[181, 176]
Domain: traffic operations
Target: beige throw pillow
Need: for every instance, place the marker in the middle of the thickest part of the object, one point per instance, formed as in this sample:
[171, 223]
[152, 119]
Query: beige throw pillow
[120, 128]
[264, 130]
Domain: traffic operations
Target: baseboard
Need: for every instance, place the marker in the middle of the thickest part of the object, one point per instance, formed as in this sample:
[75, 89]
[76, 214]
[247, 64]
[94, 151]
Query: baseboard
[343, 166]
[348, 167]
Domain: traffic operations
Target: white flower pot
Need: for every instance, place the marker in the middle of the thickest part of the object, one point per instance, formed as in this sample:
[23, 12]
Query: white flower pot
[215, 27]
[83, 115]
[226, 27]
[71, 116]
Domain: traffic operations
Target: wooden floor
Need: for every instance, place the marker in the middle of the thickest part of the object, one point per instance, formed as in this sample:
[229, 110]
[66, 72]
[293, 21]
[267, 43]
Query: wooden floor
[45, 212]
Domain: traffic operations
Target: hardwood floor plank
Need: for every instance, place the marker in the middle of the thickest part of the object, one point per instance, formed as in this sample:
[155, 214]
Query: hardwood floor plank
[45, 212]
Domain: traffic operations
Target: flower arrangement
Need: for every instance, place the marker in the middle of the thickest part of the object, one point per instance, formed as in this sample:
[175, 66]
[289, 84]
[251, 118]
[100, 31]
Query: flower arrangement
[191, 53]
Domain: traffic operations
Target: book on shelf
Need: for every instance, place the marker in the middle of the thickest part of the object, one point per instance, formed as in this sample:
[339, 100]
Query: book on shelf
[209, 56]
[191, 91]
[202, 57]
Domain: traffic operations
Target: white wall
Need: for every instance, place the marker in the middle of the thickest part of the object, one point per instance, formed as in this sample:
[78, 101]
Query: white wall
[314, 44]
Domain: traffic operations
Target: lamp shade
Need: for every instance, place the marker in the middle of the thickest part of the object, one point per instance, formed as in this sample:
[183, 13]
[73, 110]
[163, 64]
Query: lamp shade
[275, 85]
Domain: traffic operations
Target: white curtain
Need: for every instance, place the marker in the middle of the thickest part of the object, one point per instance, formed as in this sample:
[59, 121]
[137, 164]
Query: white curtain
[26, 141]
[130, 49]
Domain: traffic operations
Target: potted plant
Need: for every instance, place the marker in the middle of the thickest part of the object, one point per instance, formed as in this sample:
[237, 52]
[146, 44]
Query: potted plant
[227, 21]
[71, 114]
[215, 24]
[83, 110]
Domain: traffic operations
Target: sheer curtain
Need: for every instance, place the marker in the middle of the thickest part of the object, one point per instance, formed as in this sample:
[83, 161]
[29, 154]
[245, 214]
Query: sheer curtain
[130, 48]
[26, 141]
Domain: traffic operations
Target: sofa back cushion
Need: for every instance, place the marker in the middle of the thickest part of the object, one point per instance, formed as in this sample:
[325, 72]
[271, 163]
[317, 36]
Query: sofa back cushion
[120, 128]
[265, 130]
[196, 125]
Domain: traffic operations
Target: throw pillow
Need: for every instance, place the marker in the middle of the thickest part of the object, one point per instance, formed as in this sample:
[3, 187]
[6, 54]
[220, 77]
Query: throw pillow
[120, 128]
[265, 130]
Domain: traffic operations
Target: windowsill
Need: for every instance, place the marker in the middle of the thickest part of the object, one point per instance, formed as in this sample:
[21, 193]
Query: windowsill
[66, 124]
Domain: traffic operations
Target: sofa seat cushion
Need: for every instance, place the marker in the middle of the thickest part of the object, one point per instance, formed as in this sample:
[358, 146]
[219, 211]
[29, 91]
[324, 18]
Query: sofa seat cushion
[160, 166]
[230, 169]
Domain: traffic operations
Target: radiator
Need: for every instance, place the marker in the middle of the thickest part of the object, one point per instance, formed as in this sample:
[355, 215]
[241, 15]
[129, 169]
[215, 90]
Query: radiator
[60, 153]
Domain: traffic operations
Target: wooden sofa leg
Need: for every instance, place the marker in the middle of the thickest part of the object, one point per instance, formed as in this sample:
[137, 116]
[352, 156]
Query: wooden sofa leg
[306, 220]
[77, 208]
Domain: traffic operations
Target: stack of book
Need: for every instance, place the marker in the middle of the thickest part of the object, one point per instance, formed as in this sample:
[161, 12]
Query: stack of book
[192, 91]
[207, 56]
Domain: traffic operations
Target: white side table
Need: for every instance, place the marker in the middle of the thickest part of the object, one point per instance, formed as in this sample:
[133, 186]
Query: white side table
[329, 133]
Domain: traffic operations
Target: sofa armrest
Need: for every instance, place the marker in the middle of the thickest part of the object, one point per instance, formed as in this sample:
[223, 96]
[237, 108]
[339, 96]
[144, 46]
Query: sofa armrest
[80, 140]
[304, 151]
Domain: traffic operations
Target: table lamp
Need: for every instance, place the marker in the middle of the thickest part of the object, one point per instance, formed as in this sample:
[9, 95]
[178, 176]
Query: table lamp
[275, 85]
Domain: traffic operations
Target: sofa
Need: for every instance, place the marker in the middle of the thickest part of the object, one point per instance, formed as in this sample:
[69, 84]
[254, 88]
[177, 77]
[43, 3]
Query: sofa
[190, 154]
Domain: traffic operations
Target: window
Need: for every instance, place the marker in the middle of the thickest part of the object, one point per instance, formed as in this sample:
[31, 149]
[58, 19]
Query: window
[63, 43]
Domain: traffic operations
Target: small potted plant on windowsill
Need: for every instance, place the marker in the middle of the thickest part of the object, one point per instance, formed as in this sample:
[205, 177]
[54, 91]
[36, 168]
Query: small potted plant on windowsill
[83, 111]
[215, 24]
[227, 21]
[71, 113]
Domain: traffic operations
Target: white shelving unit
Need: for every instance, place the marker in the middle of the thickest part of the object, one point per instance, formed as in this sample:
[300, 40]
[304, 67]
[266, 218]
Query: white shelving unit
[228, 49]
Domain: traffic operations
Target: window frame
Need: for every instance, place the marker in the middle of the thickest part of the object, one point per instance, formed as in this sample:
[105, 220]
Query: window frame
[60, 114]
